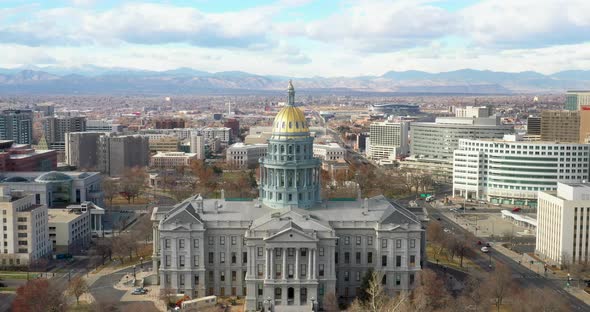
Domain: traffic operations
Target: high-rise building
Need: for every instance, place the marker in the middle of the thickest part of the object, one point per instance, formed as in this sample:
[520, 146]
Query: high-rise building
[565, 126]
[46, 109]
[387, 139]
[474, 112]
[533, 125]
[511, 171]
[288, 245]
[55, 129]
[117, 153]
[577, 100]
[562, 226]
[198, 145]
[25, 230]
[81, 149]
[17, 125]
[234, 126]
[433, 143]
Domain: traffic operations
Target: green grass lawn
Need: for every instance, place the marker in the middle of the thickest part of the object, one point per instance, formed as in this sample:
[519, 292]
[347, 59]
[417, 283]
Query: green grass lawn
[11, 289]
[16, 275]
[455, 263]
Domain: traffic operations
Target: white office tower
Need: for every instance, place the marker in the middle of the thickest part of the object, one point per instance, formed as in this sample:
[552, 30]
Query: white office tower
[198, 145]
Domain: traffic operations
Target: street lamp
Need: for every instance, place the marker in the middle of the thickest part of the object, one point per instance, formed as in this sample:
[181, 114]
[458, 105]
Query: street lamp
[313, 304]
[141, 261]
[134, 272]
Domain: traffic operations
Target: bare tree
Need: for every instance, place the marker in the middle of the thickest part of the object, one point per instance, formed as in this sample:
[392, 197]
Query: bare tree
[40, 295]
[499, 284]
[330, 303]
[110, 189]
[431, 294]
[77, 287]
[539, 300]
[133, 182]
[475, 296]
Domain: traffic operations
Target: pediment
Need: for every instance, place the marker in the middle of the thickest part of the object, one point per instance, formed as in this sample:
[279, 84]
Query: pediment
[290, 234]
[181, 217]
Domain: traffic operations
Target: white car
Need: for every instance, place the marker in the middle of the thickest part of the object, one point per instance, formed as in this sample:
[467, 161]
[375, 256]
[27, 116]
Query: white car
[446, 230]
[485, 249]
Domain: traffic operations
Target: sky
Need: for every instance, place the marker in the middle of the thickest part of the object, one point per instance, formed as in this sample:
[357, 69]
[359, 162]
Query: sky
[298, 38]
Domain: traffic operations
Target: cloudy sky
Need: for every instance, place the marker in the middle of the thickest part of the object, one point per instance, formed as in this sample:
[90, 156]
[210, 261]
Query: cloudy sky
[298, 37]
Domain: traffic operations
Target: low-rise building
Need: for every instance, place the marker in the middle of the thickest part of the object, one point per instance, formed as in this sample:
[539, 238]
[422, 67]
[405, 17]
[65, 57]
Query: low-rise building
[69, 229]
[562, 224]
[246, 155]
[171, 160]
[165, 144]
[22, 157]
[24, 236]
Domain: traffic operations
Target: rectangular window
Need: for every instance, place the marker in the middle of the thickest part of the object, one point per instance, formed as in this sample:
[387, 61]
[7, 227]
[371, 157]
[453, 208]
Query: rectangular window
[234, 240]
[303, 270]
[222, 257]
[346, 276]
[211, 257]
[398, 261]
[260, 290]
[412, 260]
[221, 240]
[398, 243]
[278, 270]
[181, 261]
[369, 257]
[195, 243]
[412, 243]
[321, 251]
[383, 260]
[260, 251]
[244, 257]
[321, 270]
[167, 260]
[181, 243]
[303, 252]
[290, 269]
[346, 240]
[278, 252]
[370, 240]
[211, 240]
[358, 258]
[196, 261]
[358, 276]
[196, 280]
[411, 279]
[398, 279]
[181, 280]
[290, 252]
[234, 276]
[222, 276]
[347, 258]
[336, 257]
[234, 258]
[21, 219]
[260, 270]
[358, 240]
[384, 243]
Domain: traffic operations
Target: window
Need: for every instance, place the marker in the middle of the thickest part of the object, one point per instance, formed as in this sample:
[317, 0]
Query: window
[398, 243]
[412, 279]
[233, 258]
[260, 270]
[384, 243]
[222, 276]
[290, 252]
[321, 270]
[196, 261]
[181, 243]
[260, 290]
[234, 275]
[412, 243]
[278, 270]
[21, 219]
[303, 252]
[181, 279]
[321, 251]
[278, 293]
[370, 240]
[221, 240]
[347, 258]
[277, 252]
[195, 243]
[303, 270]
[358, 240]
[22, 227]
[336, 257]
[167, 260]
[22, 234]
[412, 260]
[358, 276]
[358, 258]
[346, 276]
[222, 257]
[383, 260]
[211, 240]
[259, 251]
[196, 280]
[181, 261]
[211, 257]
[384, 279]
[398, 261]
[290, 269]
[398, 279]
[244, 257]
[346, 240]
[234, 240]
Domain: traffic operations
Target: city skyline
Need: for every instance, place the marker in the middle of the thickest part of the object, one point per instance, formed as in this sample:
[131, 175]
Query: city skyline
[298, 37]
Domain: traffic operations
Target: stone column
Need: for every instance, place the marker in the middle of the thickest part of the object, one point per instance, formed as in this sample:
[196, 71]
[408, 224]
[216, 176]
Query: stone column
[308, 263]
[296, 263]
[272, 266]
[284, 263]
[266, 264]
[315, 263]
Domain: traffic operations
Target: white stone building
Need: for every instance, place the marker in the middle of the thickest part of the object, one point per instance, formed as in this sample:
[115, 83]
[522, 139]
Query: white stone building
[69, 229]
[171, 160]
[246, 155]
[387, 139]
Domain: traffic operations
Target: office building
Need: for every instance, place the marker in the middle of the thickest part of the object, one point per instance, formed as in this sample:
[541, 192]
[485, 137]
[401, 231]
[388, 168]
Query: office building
[234, 126]
[198, 145]
[172, 160]
[387, 139]
[17, 125]
[69, 230]
[511, 171]
[55, 129]
[562, 224]
[398, 109]
[56, 189]
[533, 126]
[46, 109]
[565, 126]
[577, 100]
[433, 143]
[246, 155]
[21, 157]
[118, 153]
[96, 215]
[165, 144]
[81, 149]
[221, 133]
[170, 123]
[288, 245]
[24, 236]
[103, 126]
[474, 111]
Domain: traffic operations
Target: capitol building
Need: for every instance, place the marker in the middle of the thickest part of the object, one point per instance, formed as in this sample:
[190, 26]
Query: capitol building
[288, 248]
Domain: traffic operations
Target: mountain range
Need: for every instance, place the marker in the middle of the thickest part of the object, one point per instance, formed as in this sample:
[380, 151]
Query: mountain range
[89, 79]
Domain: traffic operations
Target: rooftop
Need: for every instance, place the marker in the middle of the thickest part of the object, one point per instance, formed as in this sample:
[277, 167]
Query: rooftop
[62, 215]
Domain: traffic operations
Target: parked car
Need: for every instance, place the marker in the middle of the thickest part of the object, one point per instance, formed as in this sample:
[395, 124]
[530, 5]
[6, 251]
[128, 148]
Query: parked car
[139, 291]
[479, 242]
[446, 230]
[516, 209]
[485, 249]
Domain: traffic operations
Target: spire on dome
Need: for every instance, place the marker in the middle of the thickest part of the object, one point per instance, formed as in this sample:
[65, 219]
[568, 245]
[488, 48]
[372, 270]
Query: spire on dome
[291, 89]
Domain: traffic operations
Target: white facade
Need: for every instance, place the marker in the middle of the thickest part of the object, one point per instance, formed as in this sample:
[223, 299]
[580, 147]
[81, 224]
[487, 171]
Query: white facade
[387, 139]
[69, 229]
[562, 223]
[329, 152]
[172, 160]
[24, 235]
[246, 155]
[512, 171]
[474, 111]
[198, 145]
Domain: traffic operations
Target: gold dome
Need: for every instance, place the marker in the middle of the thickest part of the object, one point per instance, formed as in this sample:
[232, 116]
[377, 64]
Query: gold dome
[290, 119]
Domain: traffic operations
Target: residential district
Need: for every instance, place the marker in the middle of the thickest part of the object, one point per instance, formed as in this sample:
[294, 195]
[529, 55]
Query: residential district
[295, 203]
